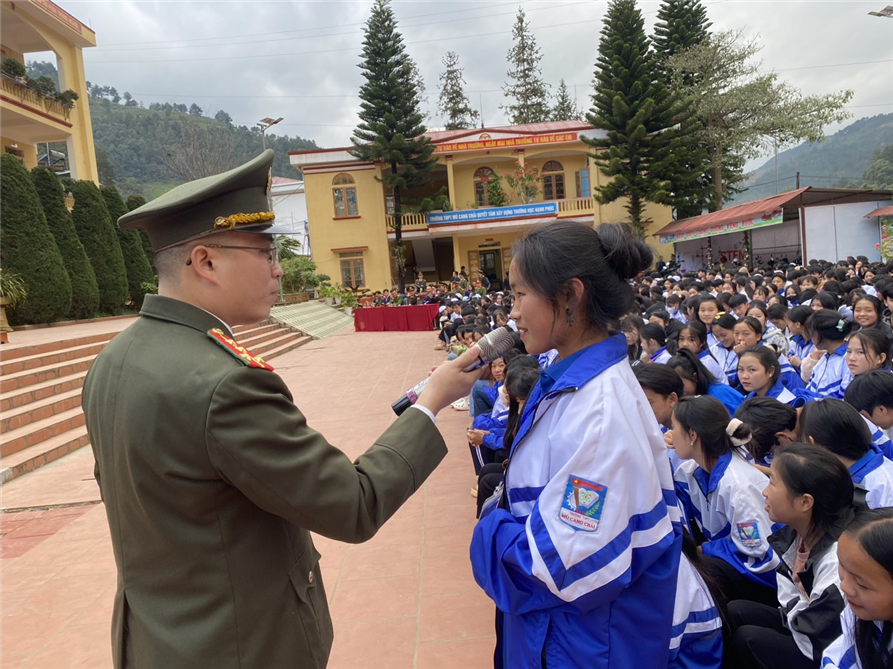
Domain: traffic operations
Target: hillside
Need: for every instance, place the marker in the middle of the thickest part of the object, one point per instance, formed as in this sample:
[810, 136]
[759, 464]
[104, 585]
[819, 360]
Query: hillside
[840, 160]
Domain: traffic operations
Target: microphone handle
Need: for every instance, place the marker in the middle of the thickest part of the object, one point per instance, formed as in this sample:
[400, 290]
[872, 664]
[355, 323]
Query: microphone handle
[412, 395]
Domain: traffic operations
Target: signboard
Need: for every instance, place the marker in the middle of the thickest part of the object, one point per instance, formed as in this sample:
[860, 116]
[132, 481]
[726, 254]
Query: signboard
[509, 143]
[495, 213]
[763, 221]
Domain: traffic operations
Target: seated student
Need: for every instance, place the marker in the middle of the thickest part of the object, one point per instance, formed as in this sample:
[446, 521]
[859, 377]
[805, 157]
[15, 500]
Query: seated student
[697, 617]
[772, 424]
[747, 333]
[865, 554]
[838, 427]
[663, 388]
[485, 393]
[721, 498]
[759, 374]
[724, 349]
[693, 337]
[696, 380]
[811, 494]
[800, 346]
[738, 306]
[871, 394]
[708, 309]
[825, 368]
[868, 313]
[630, 328]
[771, 335]
[674, 307]
[654, 342]
[777, 314]
[868, 350]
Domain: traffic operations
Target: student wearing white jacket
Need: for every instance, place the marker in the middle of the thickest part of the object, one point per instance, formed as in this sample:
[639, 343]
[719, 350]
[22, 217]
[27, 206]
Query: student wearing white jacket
[580, 547]
[810, 492]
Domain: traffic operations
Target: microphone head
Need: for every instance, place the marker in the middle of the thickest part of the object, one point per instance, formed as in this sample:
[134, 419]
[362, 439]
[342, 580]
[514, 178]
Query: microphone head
[496, 344]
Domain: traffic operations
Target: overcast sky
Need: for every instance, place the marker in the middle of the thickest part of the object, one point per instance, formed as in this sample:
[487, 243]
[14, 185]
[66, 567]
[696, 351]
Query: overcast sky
[298, 59]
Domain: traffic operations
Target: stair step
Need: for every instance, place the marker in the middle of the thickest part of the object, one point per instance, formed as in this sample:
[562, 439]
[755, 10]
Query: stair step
[33, 377]
[255, 331]
[21, 438]
[36, 411]
[287, 346]
[39, 391]
[43, 453]
[50, 358]
[238, 329]
[16, 352]
[255, 342]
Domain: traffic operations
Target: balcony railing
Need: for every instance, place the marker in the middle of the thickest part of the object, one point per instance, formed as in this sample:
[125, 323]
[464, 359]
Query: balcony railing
[30, 98]
[575, 207]
[409, 222]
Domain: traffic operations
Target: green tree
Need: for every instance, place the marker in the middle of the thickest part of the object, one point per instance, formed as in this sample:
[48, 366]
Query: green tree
[133, 202]
[453, 104]
[495, 194]
[637, 113]
[29, 248]
[136, 264]
[195, 110]
[84, 290]
[742, 111]
[391, 128]
[104, 167]
[681, 24]
[565, 108]
[526, 88]
[96, 231]
[222, 117]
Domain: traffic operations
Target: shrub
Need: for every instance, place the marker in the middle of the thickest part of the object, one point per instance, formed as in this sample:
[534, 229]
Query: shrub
[134, 202]
[29, 248]
[137, 266]
[94, 227]
[84, 290]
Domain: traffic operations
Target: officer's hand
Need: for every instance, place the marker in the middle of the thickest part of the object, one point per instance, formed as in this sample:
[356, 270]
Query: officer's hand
[449, 382]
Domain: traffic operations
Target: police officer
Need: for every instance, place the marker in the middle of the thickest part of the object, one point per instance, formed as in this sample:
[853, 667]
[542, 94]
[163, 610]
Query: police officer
[211, 478]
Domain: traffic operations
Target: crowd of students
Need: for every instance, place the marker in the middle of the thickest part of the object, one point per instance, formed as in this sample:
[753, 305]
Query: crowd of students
[774, 394]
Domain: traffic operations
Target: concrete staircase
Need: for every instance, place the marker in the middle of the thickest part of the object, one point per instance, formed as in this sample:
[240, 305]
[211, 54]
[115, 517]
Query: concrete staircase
[40, 392]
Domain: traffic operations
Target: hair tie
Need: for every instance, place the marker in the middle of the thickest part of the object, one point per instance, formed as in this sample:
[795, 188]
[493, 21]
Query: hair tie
[840, 324]
[719, 314]
[733, 425]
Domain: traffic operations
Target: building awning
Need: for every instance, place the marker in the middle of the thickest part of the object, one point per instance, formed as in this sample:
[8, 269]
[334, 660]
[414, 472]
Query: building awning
[883, 211]
[756, 214]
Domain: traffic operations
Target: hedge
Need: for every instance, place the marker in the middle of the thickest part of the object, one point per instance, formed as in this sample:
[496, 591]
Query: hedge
[139, 271]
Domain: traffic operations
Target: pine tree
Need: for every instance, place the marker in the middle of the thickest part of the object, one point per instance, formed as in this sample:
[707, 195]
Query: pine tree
[526, 88]
[637, 113]
[565, 108]
[391, 128]
[680, 25]
[84, 290]
[139, 272]
[453, 104]
[94, 227]
[133, 202]
[29, 248]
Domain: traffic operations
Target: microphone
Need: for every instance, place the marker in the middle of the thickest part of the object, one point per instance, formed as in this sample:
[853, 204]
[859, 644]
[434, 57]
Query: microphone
[493, 345]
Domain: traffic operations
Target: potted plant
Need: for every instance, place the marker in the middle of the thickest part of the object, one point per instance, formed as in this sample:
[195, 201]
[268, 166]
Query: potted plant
[349, 301]
[12, 291]
[328, 291]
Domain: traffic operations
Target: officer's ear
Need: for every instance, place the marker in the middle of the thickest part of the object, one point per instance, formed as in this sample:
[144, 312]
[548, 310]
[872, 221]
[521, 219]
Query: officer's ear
[202, 262]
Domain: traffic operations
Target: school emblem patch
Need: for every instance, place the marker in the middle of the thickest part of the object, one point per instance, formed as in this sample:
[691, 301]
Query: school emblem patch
[749, 533]
[582, 505]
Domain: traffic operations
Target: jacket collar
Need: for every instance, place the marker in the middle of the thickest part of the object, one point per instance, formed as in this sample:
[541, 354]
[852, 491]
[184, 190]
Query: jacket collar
[658, 353]
[182, 313]
[708, 482]
[783, 539]
[867, 463]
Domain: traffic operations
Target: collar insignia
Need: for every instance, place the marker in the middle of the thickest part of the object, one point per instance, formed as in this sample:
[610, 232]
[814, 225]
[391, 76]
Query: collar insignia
[238, 351]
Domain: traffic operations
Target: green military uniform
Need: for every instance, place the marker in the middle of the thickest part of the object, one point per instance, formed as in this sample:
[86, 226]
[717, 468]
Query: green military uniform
[212, 482]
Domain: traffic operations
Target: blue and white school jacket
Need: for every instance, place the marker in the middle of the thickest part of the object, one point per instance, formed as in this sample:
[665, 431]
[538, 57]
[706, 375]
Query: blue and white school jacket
[842, 654]
[801, 347]
[788, 376]
[660, 356]
[830, 376]
[782, 394]
[728, 361]
[880, 439]
[874, 472]
[697, 626]
[713, 366]
[731, 399]
[728, 506]
[585, 554]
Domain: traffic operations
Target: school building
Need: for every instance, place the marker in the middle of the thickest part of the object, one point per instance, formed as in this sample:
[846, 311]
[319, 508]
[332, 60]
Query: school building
[29, 120]
[350, 212]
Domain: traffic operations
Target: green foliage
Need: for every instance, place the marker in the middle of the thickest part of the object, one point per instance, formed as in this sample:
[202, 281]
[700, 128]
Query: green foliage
[13, 68]
[84, 290]
[391, 128]
[136, 264]
[638, 114]
[495, 194]
[12, 287]
[565, 108]
[132, 203]
[299, 274]
[29, 248]
[524, 183]
[680, 24]
[453, 104]
[96, 231]
[527, 90]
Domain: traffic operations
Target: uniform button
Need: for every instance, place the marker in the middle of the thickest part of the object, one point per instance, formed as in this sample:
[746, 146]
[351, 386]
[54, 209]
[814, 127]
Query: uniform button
[310, 577]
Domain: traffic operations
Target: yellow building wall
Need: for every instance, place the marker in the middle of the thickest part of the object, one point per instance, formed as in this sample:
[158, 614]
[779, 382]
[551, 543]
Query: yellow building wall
[29, 150]
[367, 229]
[469, 246]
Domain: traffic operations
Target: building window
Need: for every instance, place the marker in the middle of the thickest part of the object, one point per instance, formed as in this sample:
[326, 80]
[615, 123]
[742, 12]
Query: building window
[345, 195]
[553, 180]
[482, 177]
[352, 273]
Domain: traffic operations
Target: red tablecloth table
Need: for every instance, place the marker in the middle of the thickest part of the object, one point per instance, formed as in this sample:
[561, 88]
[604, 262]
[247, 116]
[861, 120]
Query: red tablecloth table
[395, 319]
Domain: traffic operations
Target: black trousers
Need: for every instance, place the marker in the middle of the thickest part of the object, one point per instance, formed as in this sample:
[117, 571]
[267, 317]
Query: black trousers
[760, 639]
[488, 479]
[736, 585]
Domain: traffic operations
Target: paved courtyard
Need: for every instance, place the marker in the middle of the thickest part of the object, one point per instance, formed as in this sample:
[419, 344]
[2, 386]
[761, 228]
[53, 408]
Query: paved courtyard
[405, 599]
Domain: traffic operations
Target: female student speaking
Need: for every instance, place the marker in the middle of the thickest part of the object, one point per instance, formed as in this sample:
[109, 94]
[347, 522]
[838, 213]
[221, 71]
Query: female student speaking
[582, 552]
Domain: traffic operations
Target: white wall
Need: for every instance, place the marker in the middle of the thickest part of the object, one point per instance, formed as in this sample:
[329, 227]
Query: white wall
[836, 231]
[290, 207]
[692, 254]
[776, 241]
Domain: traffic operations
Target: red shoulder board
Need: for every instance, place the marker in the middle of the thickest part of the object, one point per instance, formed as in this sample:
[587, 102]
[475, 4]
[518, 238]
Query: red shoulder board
[239, 351]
